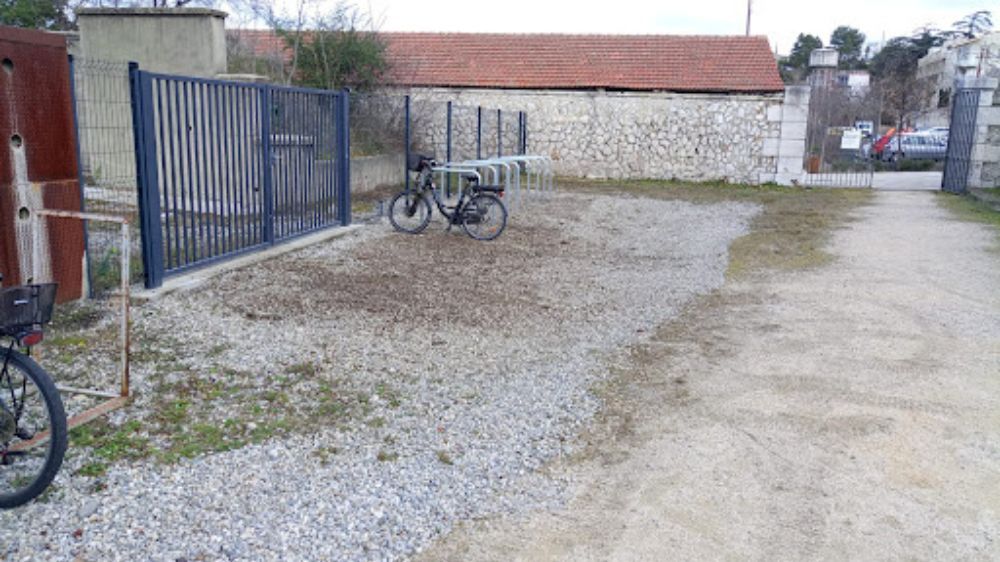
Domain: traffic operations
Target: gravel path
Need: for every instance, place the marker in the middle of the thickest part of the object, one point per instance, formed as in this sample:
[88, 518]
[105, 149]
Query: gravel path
[850, 412]
[473, 364]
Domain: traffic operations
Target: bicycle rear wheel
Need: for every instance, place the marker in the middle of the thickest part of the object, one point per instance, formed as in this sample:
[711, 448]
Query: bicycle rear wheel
[409, 212]
[32, 430]
[484, 217]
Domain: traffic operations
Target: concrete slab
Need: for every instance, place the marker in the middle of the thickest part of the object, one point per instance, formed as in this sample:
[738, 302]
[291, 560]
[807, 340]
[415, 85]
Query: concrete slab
[907, 181]
[195, 278]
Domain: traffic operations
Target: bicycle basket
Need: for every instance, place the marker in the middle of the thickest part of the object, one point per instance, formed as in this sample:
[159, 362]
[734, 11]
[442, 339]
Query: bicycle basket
[27, 305]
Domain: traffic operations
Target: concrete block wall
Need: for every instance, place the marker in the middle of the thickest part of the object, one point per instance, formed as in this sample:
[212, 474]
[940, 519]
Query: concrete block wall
[188, 41]
[371, 172]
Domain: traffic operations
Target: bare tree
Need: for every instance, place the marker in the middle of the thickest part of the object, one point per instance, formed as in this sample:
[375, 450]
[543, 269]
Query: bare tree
[140, 3]
[292, 22]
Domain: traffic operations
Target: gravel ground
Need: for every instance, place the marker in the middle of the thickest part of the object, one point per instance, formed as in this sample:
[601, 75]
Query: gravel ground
[457, 370]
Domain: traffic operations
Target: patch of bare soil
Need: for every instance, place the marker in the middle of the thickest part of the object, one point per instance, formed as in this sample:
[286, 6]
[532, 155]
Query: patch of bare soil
[843, 412]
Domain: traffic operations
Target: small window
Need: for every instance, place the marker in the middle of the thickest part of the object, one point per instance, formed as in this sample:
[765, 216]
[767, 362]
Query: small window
[944, 97]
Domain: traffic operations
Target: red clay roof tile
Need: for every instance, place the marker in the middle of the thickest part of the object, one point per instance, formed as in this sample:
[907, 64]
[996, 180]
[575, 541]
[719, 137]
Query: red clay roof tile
[550, 61]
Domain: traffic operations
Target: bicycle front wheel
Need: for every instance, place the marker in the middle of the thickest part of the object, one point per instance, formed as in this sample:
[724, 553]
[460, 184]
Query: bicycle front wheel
[409, 212]
[484, 217]
[32, 430]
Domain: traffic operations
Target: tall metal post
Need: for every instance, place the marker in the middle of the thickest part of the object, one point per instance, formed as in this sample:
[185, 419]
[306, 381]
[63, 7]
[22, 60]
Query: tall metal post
[520, 132]
[79, 175]
[448, 150]
[479, 132]
[499, 133]
[344, 157]
[524, 137]
[268, 161]
[406, 142]
[147, 181]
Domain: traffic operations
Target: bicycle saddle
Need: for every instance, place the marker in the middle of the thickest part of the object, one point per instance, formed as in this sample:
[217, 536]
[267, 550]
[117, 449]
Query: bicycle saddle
[418, 162]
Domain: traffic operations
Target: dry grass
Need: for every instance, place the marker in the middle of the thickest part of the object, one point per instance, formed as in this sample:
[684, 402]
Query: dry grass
[789, 234]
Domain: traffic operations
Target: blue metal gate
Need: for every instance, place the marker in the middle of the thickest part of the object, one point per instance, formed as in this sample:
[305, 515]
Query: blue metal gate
[961, 137]
[226, 168]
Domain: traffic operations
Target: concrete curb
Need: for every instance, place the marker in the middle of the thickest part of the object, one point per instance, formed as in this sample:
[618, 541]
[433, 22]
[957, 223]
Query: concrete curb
[196, 278]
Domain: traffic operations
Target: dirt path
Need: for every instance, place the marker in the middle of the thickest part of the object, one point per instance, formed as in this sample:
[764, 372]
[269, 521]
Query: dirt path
[849, 412]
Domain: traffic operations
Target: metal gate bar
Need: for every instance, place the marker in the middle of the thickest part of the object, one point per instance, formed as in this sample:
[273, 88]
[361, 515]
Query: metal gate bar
[226, 168]
[961, 137]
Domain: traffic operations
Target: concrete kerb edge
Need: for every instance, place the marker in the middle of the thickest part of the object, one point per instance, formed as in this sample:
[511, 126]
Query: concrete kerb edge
[198, 277]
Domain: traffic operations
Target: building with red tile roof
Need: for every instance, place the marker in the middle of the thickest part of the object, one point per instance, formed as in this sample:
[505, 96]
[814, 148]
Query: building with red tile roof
[603, 106]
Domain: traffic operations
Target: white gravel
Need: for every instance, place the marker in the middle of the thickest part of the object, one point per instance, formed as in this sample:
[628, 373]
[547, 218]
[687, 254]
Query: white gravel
[491, 350]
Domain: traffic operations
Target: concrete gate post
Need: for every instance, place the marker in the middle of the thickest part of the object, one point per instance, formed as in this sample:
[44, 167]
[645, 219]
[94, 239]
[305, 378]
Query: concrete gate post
[984, 163]
[792, 143]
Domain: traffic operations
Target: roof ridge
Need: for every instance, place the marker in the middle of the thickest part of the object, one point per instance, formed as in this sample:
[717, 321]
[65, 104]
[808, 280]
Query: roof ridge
[538, 34]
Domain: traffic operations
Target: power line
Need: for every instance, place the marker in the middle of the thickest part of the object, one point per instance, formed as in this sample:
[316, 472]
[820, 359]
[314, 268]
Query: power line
[749, 5]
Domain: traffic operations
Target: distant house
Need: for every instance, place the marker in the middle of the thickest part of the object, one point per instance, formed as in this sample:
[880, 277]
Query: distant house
[621, 106]
[824, 73]
[944, 69]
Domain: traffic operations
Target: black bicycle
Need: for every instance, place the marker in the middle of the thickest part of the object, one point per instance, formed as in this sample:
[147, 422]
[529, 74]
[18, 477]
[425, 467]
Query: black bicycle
[479, 209]
[32, 418]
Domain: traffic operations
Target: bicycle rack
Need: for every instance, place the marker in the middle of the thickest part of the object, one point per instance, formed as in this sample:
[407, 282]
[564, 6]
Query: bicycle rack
[547, 178]
[543, 176]
[447, 168]
[508, 174]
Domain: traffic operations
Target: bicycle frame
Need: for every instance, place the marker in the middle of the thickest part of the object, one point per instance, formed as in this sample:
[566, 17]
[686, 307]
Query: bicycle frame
[426, 183]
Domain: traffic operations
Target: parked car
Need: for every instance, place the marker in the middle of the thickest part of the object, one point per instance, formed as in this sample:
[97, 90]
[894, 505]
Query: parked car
[915, 146]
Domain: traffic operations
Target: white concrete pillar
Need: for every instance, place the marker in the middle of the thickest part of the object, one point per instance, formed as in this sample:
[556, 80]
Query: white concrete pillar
[792, 143]
[984, 165]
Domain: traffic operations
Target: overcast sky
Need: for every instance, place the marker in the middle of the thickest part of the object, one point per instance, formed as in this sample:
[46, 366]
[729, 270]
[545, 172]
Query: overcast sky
[780, 20]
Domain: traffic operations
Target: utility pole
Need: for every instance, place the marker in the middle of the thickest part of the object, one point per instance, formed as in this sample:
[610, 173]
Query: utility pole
[749, 4]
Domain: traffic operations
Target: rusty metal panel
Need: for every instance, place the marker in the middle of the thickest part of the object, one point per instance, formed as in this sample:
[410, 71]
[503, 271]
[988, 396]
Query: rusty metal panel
[38, 167]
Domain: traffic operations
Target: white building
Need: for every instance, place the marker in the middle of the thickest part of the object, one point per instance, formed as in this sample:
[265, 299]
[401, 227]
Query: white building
[944, 68]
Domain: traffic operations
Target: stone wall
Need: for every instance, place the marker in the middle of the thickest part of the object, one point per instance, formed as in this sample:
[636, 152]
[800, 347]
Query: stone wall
[618, 135]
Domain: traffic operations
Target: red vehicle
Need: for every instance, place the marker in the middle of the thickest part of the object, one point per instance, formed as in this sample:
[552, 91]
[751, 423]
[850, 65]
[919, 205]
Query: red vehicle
[882, 142]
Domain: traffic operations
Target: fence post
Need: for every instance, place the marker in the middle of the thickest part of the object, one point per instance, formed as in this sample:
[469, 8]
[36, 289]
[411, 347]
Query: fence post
[448, 150]
[499, 133]
[406, 142]
[147, 183]
[520, 132]
[344, 157]
[479, 132]
[524, 135]
[79, 175]
[267, 163]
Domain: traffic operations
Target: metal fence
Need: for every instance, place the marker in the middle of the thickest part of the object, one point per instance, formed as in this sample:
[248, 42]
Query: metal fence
[102, 109]
[205, 169]
[227, 167]
[835, 154]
